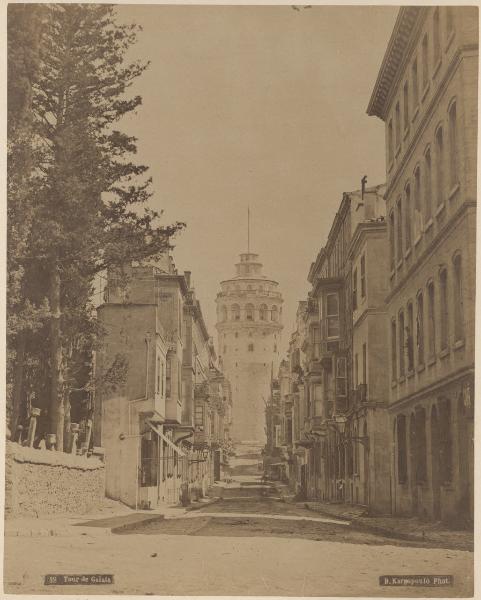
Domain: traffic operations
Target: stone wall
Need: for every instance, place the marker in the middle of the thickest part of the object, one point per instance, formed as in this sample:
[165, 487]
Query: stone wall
[42, 482]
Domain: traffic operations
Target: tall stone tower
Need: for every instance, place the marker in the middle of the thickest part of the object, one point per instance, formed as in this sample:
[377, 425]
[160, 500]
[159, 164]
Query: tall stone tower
[249, 326]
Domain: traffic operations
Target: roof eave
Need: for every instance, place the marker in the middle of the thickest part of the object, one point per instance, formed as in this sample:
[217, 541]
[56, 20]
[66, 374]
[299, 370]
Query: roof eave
[401, 32]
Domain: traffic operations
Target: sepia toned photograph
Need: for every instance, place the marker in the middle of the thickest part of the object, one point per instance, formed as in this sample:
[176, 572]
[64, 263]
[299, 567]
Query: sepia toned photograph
[240, 300]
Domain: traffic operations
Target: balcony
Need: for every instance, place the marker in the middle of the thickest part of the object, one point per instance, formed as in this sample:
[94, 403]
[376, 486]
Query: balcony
[250, 293]
[314, 367]
[359, 394]
[318, 423]
[362, 392]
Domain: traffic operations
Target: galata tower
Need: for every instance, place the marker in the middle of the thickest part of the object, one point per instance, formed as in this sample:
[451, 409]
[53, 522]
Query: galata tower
[249, 326]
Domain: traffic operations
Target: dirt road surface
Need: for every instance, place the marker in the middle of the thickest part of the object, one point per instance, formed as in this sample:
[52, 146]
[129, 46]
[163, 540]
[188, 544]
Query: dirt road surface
[215, 552]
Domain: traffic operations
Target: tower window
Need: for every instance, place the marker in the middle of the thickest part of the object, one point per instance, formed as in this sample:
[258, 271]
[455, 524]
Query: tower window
[250, 347]
[263, 312]
[235, 312]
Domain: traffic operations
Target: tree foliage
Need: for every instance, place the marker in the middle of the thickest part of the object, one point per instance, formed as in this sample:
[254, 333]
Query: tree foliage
[78, 201]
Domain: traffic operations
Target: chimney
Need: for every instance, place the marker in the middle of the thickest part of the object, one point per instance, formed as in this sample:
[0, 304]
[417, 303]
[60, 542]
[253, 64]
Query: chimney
[187, 278]
[363, 187]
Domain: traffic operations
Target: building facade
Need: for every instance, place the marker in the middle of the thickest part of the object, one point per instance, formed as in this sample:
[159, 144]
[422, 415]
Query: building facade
[332, 392]
[249, 326]
[157, 352]
[426, 93]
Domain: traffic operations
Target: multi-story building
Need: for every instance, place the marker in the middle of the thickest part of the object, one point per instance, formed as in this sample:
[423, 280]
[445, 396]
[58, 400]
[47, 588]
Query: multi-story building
[212, 421]
[338, 445]
[157, 347]
[249, 326]
[367, 473]
[337, 439]
[426, 93]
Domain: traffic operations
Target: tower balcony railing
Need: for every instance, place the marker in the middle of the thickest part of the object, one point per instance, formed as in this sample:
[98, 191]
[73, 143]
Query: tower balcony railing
[245, 293]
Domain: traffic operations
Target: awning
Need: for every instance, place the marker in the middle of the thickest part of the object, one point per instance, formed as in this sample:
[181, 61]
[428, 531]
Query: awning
[156, 428]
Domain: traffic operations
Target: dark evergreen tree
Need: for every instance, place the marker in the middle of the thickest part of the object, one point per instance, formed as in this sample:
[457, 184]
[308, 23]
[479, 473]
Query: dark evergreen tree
[90, 211]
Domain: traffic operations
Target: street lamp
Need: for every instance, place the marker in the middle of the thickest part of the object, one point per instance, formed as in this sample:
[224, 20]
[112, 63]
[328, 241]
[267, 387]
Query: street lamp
[204, 452]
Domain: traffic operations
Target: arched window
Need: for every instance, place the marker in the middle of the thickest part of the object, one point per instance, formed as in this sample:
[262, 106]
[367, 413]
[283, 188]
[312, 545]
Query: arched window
[397, 124]
[453, 163]
[440, 165]
[401, 337]
[393, 351]
[263, 312]
[390, 143]
[392, 238]
[431, 321]
[410, 337]
[420, 445]
[418, 217]
[407, 216]
[274, 313]
[443, 305]
[223, 313]
[406, 105]
[445, 440]
[412, 444]
[399, 231]
[235, 312]
[427, 185]
[402, 463]
[458, 299]
[250, 312]
[420, 328]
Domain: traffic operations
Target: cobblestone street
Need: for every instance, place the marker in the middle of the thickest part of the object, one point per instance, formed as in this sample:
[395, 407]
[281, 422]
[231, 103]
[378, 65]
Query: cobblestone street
[285, 549]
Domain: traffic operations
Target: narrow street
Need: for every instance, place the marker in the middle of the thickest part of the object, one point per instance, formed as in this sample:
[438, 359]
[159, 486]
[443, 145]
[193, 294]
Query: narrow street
[284, 548]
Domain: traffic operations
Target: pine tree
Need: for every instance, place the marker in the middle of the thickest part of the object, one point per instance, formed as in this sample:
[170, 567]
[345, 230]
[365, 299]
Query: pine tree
[23, 315]
[91, 209]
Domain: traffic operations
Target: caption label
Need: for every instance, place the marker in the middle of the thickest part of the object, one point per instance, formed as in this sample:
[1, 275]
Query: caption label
[416, 580]
[95, 579]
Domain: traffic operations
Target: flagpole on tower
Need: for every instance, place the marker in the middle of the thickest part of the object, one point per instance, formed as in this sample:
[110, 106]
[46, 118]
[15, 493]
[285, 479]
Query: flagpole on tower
[248, 230]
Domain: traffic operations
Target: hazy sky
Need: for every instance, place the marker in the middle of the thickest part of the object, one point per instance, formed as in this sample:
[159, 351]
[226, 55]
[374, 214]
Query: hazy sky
[262, 106]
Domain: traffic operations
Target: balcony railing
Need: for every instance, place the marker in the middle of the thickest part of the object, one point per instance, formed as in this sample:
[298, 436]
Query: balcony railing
[359, 394]
[244, 293]
[362, 392]
[317, 423]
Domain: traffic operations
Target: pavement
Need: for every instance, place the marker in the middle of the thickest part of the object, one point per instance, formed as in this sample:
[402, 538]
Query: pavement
[112, 516]
[411, 529]
[201, 553]
[258, 545]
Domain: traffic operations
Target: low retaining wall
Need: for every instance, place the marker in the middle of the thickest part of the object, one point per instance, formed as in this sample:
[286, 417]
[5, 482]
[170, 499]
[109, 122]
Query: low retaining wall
[42, 482]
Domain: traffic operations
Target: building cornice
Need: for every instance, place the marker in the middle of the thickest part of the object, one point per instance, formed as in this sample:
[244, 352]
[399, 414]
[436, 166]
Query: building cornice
[241, 278]
[393, 58]
[180, 279]
[327, 282]
[452, 378]
[362, 230]
[366, 312]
